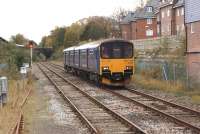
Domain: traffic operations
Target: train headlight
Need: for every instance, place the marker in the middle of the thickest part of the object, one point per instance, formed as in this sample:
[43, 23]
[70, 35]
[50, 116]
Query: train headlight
[129, 67]
[105, 68]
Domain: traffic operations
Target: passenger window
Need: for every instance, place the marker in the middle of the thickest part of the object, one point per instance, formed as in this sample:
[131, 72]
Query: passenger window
[83, 52]
[76, 53]
[91, 52]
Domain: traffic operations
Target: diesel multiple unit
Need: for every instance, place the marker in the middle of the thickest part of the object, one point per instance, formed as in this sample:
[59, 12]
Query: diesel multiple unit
[109, 62]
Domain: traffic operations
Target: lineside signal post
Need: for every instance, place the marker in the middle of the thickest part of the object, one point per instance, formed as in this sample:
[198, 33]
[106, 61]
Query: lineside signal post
[30, 45]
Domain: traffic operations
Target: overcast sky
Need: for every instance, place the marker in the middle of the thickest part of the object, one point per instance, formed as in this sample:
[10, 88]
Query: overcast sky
[35, 18]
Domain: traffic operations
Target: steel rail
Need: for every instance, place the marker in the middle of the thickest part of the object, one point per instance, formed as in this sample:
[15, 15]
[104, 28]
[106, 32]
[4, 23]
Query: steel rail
[19, 124]
[116, 115]
[178, 106]
[186, 109]
[179, 121]
[81, 116]
[175, 119]
[25, 99]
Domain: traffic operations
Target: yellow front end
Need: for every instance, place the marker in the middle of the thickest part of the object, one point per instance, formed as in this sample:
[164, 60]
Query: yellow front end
[118, 69]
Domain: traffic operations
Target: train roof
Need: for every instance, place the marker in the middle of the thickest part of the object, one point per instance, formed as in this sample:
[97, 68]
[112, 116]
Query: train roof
[88, 45]
[69, 49]
[92, 44]
[84, 46]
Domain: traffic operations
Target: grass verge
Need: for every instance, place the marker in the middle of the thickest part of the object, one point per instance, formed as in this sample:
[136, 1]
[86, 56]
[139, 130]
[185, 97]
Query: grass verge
[10, 112]
[177, 88]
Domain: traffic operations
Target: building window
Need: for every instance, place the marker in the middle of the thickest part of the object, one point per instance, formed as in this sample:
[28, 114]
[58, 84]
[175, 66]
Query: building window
[149, 32]
[183, 27]
[177, 12]
[177, 28]
[163, 14]
[168, 12]
[158, 17]
[182, 11]
[150, 9]
[125, 35]
[168, 28]
[192, 28]
[149, 21]
[162, 29]
[158, 29]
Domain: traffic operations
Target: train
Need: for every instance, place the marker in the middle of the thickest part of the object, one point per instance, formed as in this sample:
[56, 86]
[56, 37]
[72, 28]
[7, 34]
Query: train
[109, 62]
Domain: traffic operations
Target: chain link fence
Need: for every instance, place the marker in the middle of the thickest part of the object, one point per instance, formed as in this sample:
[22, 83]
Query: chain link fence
[162, 69]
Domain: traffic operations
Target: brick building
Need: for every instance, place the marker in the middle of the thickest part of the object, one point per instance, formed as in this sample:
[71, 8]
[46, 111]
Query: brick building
[157, 18]
[142, 23]
[126, 27]
[192, 19]
[171, 17]
[179, 15]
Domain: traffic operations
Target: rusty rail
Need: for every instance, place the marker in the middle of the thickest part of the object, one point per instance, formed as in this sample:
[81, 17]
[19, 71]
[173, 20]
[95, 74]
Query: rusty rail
[25, 99]
[19, 125]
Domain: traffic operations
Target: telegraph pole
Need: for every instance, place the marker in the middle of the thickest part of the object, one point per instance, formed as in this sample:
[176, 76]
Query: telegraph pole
[31, 56]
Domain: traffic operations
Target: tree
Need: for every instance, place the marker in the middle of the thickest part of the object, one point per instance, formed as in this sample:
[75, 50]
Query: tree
[88, 28]
[18, 39]
[72, 34]
[43, 41]
[57, 37]
[97, 28]
[118, 15]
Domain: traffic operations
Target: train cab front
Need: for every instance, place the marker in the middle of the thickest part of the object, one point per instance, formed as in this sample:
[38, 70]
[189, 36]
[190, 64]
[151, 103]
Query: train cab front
[117, 64]
[120, 77]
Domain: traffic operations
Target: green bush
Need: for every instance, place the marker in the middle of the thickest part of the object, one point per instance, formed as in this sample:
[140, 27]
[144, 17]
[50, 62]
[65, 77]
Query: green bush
[14, 57]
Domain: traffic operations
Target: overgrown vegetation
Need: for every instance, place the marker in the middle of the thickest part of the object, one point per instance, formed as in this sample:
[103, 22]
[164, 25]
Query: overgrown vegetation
[163, 47]
[176, 87]
[87, 29]
[10, 112]
[12, 57]
[151, 76]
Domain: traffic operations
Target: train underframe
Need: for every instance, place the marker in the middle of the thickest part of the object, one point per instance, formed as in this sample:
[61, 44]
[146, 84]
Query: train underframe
[107, 78]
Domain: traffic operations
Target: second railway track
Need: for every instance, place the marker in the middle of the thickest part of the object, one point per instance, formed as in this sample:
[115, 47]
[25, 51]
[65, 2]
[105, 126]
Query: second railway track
[176, 113]
[98, 117]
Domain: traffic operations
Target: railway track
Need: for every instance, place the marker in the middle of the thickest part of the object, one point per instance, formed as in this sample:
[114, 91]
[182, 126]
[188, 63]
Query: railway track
[179, 114]
[18, 128]
[98, 117]
[19, 125]
[183, 115]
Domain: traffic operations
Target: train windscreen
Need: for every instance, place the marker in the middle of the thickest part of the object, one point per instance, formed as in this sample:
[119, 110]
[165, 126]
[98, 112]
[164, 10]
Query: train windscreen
[116, 50]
